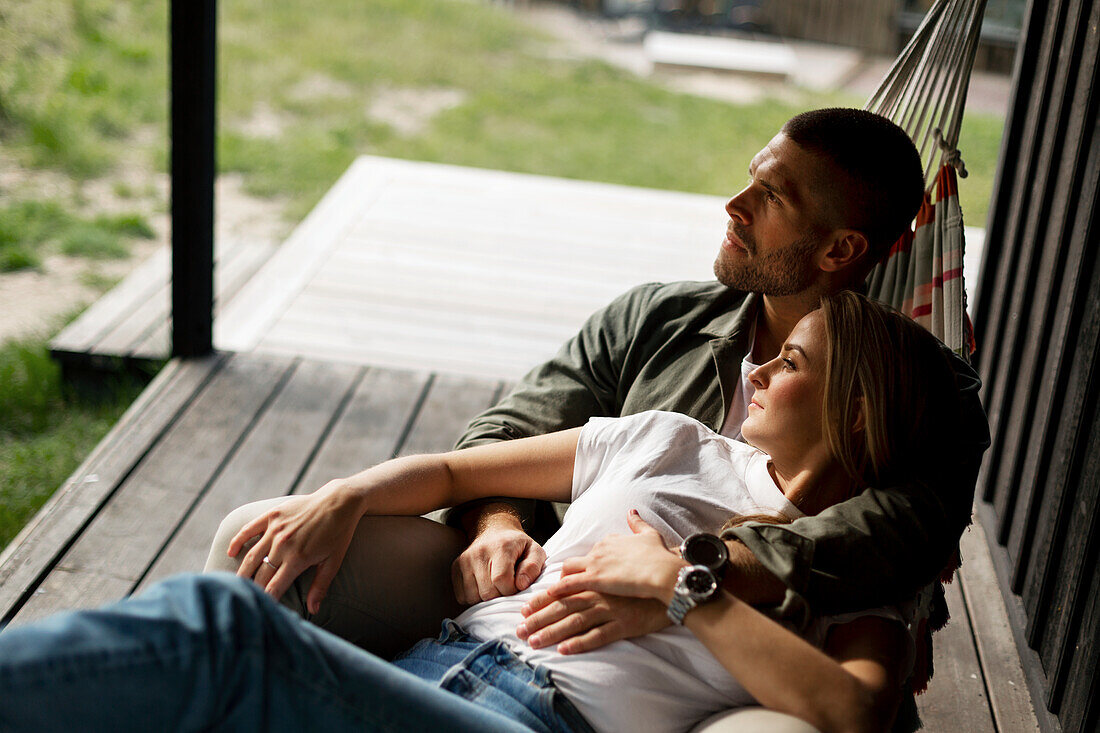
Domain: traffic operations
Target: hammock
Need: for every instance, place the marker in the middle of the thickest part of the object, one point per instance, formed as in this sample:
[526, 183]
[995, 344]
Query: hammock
[924, 92]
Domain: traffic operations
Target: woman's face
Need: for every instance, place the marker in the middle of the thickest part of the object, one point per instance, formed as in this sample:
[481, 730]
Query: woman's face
[784, 417]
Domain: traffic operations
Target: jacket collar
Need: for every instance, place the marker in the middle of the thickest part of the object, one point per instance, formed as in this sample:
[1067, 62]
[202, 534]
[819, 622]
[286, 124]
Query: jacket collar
[734, 323]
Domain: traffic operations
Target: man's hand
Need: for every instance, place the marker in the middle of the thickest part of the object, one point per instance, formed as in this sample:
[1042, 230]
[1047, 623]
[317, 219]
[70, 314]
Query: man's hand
[588, 620]
[500, 561]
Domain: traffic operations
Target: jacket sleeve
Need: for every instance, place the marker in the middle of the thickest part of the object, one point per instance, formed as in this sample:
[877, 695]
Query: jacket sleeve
[883, 545]
[584, 379]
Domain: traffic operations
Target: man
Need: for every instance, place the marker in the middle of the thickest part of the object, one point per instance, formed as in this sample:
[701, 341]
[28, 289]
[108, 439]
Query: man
[826, 198]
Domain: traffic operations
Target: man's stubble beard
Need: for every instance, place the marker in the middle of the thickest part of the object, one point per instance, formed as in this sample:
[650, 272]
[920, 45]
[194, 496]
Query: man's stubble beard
[780, 272]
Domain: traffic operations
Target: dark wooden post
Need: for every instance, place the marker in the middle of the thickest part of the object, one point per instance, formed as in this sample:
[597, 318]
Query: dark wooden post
[192, 141]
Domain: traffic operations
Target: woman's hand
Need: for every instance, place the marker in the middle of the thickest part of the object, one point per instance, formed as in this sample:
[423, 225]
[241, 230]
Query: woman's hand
[299, 533]
[636, 565]
[588, 620]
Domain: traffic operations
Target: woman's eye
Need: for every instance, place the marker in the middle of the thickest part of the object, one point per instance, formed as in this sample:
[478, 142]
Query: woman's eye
[788, 364]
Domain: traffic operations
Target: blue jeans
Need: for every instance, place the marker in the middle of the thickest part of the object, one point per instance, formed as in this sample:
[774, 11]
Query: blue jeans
[213, 652]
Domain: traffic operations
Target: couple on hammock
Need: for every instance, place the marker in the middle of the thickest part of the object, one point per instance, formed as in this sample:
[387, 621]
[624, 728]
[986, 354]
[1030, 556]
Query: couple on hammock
[767, 475]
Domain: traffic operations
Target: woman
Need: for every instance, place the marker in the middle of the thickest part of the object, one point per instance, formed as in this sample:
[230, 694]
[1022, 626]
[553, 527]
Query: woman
[827, 417]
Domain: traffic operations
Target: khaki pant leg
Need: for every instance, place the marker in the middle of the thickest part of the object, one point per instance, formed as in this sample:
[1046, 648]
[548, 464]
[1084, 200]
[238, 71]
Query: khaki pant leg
[393, 588]
[753, 720]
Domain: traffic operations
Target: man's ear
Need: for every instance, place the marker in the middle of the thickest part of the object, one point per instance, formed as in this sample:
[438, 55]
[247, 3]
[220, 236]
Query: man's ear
[846, 248]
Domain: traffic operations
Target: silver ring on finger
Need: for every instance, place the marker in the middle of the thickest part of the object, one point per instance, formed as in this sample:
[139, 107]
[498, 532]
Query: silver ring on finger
[267, 561]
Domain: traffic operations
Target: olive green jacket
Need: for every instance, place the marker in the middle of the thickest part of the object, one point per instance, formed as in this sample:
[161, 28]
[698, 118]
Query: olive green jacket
[678, 347]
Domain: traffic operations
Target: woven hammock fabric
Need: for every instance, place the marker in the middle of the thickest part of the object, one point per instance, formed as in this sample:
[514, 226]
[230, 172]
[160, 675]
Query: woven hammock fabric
[925, 94]
[922, 276]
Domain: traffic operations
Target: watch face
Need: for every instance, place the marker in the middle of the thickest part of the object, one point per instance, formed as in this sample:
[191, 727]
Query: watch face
[700, 582]
[706, 549]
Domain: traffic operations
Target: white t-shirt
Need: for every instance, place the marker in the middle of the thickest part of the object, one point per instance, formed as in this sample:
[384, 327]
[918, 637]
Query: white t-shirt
[682, 478]
[742, 393]
[739, 402]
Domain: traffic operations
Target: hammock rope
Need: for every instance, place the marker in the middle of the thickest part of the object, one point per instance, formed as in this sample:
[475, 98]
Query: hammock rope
[924, 92]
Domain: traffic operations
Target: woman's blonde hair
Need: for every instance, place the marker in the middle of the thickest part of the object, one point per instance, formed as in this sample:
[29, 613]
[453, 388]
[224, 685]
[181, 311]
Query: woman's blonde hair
[888, 385]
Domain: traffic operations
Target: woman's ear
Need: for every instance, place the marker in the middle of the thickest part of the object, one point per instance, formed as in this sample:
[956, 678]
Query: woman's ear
[859, 423]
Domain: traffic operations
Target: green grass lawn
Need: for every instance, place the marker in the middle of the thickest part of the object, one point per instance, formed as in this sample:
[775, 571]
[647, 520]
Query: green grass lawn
[83, 95]
[46, 428]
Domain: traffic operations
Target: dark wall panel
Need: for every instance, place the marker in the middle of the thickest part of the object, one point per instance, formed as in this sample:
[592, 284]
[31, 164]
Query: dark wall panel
[1038, 322]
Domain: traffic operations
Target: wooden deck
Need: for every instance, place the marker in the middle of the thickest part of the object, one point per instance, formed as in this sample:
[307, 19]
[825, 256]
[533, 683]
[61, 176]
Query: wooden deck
[205, 437]
[400, 308]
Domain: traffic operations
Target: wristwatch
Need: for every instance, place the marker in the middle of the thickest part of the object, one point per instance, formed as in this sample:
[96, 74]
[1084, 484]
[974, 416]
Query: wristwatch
[694, 585]
[708, 550]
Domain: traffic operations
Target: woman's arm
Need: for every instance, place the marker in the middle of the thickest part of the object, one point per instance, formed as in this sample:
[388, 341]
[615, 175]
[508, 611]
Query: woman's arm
[316, 530]
[851, 686]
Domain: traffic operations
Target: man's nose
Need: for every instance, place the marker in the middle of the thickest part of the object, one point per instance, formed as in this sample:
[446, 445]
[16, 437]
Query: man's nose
[737, 207]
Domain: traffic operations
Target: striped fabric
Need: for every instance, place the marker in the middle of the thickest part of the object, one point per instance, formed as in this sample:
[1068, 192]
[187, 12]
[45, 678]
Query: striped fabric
[922, 276]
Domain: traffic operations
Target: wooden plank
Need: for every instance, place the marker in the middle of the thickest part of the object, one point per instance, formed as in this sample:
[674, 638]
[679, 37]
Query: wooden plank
[1081, 710]
[1079, 327]
[519, 303]
[268, 463]
[229, 277]
[130, 530]
[1057, 281]
[151, 321]
[450, 405]
[266, 295]
[65, 589]
[384, 322]
[370, 429]
[463, 359]
[956, 698]
[529, 215]
[1013, 417]
[141, 321]
[492, 277]
[1009, 698]
[603, 233]
[103, 315]
[34, 551]
[1004, 302]
[1073, 559]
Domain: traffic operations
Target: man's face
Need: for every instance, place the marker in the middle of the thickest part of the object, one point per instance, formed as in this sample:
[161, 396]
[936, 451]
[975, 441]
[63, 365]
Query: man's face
[778, 222]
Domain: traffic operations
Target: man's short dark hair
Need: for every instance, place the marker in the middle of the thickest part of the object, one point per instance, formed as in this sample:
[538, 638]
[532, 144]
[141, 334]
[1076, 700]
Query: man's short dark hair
[885, 170]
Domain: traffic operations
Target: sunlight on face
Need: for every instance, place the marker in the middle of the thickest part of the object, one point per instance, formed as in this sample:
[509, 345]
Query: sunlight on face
[784, 417]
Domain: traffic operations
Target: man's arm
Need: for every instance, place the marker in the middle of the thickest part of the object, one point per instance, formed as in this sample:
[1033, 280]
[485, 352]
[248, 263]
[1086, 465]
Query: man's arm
[583, 380]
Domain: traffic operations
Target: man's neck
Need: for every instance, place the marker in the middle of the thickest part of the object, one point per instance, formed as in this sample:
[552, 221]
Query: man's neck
[777, 317]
